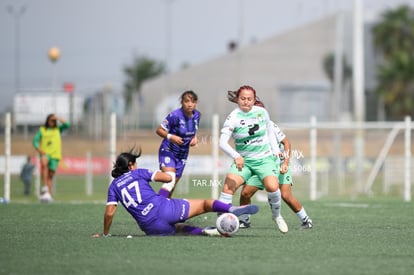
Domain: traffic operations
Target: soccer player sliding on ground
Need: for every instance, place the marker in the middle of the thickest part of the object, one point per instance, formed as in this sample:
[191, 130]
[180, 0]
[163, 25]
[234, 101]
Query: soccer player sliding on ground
[156, 214]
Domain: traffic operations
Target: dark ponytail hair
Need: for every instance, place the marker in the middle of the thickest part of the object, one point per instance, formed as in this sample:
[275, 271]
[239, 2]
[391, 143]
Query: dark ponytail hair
[258, 102]
[123, 161]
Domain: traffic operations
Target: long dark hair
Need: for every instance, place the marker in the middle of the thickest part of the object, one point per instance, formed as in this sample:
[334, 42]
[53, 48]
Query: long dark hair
[47, 120]
[125, 159]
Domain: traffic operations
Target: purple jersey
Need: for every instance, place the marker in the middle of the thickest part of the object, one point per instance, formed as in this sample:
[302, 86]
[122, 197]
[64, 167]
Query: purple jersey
[177, 123]
[154, 214]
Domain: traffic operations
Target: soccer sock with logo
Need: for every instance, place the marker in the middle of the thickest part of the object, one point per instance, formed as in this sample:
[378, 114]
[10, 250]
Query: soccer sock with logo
[275, 203]
[302, 215]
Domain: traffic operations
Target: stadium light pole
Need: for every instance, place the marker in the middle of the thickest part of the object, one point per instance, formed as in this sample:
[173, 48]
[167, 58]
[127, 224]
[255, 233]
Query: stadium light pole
[168, 39]
[54, 54]
[17, 13]
[358, 88]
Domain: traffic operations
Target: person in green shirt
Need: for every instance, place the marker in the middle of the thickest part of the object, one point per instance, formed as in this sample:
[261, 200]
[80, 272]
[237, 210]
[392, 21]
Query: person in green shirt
[48, 144]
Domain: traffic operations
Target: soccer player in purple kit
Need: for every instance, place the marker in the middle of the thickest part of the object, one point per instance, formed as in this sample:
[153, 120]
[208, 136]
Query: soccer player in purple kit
[155, 214]
[178, 131]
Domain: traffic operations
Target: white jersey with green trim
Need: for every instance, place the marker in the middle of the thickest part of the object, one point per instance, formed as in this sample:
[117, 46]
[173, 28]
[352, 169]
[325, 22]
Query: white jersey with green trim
[280, 136]
[278, 132]
[250, 132]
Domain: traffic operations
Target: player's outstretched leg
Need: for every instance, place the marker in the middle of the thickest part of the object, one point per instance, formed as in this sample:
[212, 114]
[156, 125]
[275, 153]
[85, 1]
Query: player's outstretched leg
[221, 207]
[244, 209]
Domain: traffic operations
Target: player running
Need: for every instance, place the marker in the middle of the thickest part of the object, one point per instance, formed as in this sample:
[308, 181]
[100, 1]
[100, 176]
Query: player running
[178, 131]
[255, 151]
[253, 184]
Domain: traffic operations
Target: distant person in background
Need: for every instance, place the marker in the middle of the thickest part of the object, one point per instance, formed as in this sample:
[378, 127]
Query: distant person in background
[26, 175]
[179, 132]
[48, 144]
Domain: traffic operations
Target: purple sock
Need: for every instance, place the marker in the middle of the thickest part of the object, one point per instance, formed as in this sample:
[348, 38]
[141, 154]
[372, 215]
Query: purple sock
[164, 193]
[219, 206]
[192, 230]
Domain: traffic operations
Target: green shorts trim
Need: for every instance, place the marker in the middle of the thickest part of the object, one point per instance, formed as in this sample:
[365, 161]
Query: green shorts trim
[260, 167]
[285, 178]
[52, 163]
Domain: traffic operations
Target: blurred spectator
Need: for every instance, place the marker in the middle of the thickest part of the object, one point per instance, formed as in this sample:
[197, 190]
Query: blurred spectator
[26, 175]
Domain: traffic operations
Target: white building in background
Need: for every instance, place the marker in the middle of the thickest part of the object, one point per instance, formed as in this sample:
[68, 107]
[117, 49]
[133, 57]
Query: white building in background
[276, 67]
[286, 71]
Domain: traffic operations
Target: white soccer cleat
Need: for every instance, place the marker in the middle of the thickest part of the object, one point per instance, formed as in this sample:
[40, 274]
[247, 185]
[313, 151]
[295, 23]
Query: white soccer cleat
[307, 225]
[281, 224]
[46, 197]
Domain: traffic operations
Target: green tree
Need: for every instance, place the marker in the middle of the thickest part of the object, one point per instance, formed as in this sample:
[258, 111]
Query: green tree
[394, 41]
[328, 64]
[141, 69]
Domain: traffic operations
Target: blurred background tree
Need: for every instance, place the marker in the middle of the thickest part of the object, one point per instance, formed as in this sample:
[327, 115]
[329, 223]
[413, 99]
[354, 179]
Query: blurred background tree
[141, 69]
[394, 41]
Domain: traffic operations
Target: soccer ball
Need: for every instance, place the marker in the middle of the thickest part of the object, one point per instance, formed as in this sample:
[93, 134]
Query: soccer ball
[227, 224]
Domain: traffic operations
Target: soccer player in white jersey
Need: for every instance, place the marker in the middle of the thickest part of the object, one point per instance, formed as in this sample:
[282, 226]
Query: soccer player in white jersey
[285, 178]
[255, 151]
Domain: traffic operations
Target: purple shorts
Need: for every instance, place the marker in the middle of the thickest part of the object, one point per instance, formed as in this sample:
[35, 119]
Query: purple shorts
[170, 212]
[167, 159]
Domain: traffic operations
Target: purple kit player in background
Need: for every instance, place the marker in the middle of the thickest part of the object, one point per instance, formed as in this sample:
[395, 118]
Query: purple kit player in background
[178, 131]
[155, 214]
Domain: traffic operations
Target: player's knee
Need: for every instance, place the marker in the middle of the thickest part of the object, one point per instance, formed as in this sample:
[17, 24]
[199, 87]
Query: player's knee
[232, 182]
[246, 195]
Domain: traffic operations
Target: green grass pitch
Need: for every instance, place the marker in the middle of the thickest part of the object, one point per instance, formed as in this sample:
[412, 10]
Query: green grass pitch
[360, 236]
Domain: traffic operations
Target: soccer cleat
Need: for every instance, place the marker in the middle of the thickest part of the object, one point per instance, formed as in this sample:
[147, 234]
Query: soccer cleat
[46, 197]
[210, 231]
[244, 221]
[245, 209]
[244, 224]
[307, 225]
[281, 224]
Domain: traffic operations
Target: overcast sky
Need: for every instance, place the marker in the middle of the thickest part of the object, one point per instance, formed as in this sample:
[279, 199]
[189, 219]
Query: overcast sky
[97, 38]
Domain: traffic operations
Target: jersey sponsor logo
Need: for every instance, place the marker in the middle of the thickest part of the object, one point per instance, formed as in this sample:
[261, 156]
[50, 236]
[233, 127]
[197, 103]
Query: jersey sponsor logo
[147, 209]
[253, 129]
[183, 208]
[259, 140]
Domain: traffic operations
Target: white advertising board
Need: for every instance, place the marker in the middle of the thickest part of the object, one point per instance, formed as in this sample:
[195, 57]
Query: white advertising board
[32, 108]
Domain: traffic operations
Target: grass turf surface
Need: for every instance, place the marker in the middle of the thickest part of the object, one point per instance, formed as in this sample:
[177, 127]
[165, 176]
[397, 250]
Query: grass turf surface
[350, 237]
